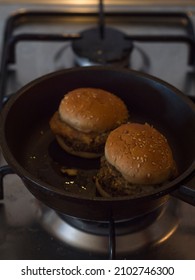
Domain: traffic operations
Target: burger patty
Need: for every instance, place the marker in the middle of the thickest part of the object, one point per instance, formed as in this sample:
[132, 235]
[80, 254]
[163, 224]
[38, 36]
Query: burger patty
[115, 184]
[79, 146]
[79, 141]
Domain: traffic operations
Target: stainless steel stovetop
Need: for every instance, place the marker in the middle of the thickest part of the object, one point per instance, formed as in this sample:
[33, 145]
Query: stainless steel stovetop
[25, 224]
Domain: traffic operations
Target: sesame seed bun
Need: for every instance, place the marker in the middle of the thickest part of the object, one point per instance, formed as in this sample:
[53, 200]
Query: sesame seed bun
[92, 110]
[140, 153]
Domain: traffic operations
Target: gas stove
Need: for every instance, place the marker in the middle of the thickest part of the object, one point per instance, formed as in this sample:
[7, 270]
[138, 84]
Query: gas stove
[159, 41]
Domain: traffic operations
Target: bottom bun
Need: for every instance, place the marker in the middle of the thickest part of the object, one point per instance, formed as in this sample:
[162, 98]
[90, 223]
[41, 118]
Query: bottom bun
[101, 191]
[71, 151]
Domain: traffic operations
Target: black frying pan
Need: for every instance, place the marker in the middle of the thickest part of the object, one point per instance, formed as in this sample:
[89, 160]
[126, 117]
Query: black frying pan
[32, 152]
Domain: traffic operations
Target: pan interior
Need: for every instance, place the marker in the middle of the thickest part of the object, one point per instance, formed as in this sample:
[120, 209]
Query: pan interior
[34, 148]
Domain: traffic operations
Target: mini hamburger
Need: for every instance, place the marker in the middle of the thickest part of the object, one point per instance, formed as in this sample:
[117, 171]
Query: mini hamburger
[137, 160]
[84, 119]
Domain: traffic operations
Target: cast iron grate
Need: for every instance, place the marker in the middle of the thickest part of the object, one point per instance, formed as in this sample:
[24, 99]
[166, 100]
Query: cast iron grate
[10, 39]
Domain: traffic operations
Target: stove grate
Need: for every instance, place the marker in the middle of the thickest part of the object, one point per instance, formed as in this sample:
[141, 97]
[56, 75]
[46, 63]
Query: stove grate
[10, 39]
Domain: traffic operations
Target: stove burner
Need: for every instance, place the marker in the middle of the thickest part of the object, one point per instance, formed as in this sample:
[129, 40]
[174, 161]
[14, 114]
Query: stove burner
[121, 227]
[110, 48]
[130, 236]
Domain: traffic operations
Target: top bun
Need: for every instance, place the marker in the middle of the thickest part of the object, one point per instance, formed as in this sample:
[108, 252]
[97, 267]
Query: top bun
[140, 153]
[92, 110]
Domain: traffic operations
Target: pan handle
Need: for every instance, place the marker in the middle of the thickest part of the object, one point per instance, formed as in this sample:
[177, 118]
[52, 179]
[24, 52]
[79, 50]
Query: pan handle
[186, 191]
[4, 170]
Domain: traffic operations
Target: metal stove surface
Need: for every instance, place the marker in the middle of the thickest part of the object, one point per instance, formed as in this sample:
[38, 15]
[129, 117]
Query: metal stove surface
[26, 234]
[22, 232]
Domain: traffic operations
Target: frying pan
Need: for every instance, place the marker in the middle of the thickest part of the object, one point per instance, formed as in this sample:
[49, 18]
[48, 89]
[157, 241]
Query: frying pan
[32, 152]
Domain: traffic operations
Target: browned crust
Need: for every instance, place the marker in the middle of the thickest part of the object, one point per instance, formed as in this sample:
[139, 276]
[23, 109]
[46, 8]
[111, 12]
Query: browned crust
[71, 151]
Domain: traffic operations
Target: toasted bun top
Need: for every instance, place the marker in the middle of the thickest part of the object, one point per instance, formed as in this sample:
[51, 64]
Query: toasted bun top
[140, 153]
[92, 110]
